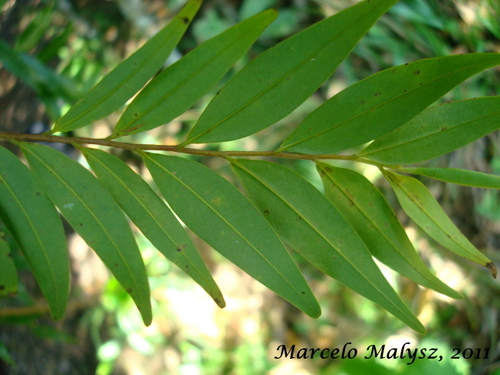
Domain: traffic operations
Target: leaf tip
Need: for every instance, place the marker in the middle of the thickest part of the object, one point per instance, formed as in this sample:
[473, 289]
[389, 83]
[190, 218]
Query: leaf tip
[314, 312]
[147, 318]
[493, 269]
[421, 329]
[220, 302]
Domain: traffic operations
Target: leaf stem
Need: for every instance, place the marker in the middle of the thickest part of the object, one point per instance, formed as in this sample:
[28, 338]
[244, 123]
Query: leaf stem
[169, 148]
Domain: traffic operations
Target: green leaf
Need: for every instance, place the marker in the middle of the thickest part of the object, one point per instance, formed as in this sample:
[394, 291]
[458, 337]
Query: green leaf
[312, 226]
[35, 30]
[95, 216]
[424, 210]
[56, 42]
[8, 272]
[37, 228]
[383, 102]
[130, 75]
[217, 212]
[437, 131]
[152, 217]
[178, 87]
[366, 209]
[458, 176]
[280, 79]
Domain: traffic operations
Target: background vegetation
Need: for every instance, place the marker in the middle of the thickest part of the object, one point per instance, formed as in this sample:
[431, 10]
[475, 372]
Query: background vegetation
[68, 45]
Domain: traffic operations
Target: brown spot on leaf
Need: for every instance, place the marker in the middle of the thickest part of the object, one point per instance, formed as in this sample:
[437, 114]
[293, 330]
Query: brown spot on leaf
[185, 20]
[416, 72]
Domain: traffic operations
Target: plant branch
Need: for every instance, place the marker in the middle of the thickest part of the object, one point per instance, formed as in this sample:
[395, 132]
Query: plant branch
[169, 148]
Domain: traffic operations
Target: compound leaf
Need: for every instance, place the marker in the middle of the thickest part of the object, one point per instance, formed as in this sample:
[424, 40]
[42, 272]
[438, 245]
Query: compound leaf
[152, 217]
[436, 131]
[130, 75]
[95, 216]
[280, 79]
[424, 210]
[366, 209]
[383, 102]
[179, 86]
[458, 176]
[36, 226]
[217, 212]
[8, 271]
[312, 226]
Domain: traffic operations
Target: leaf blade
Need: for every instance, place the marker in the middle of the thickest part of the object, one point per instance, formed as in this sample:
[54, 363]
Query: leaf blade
[281, 78]
[95, 216]
[8, 271]
[436, 131]
[179, 86]
[457, 176]
[304, 218]
[423, 209]
[375, 222]
[152, 217]
[130, 75]
[35, 224]
[206, 203]
[372, 106]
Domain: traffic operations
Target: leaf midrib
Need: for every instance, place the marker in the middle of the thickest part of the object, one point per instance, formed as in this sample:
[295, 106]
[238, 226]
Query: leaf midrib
[376, 225]
[151, 215]
[70, 189]
[119, 86]
[276, 83]
[230, 226]
[452, 237]
[322, 236]
[428, 135]
[37, 236]
[178, 87]
[375, 107]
